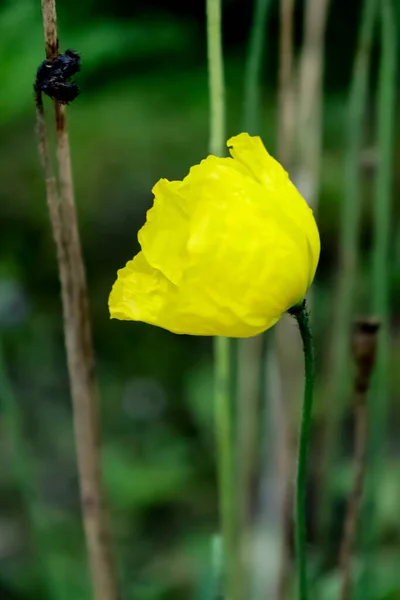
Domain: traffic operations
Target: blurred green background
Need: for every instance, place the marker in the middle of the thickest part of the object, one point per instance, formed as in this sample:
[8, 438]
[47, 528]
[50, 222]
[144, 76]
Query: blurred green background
[143, 114]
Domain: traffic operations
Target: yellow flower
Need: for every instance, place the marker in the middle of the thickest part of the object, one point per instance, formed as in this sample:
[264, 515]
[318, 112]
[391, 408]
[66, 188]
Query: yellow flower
[227, 251]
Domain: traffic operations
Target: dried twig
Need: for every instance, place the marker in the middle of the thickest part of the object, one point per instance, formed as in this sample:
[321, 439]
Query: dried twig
[77, 331]
[364, 351]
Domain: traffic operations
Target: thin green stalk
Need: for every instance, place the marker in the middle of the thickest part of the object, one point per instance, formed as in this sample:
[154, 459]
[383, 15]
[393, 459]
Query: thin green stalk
[350, 227]
[217, 562]
[287, 105]
[247, 442]
[215, 78]
[385, 137]
[252, 102]
[380, 277]
[222, 354]
[226, 485]
[301, 315]
[247, 396]
[351, 207]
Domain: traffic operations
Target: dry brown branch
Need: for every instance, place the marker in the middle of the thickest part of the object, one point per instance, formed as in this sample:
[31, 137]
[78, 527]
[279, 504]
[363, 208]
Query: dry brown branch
[77, 332]
[364, 351]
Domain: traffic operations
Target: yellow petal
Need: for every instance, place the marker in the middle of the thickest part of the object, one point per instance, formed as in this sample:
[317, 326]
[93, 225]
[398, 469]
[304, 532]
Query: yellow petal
[164, 236]
[251, 153]
[226, 251]
[240, 246]
[139, 292]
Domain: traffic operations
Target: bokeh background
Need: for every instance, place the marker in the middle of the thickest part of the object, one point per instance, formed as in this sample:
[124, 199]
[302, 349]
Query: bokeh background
[143, 114]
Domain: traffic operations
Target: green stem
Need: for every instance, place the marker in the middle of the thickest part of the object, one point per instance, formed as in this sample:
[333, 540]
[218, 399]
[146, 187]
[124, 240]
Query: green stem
[351, 207]
[222, 348]
[301, 315]
[385, 135]
[217, 562]
[381, 282]
[253, 68]
[226, 484]
[215, 78]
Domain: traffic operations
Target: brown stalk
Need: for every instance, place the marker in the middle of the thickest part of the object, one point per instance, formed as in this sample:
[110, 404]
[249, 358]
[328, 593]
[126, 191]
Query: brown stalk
[300, 126]
[249, 365]
[286, 137]
[77, 331]
[364, 352]
[309, 118]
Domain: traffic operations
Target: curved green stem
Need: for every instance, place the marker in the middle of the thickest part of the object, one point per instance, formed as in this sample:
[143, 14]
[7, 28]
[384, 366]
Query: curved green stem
[300, 313]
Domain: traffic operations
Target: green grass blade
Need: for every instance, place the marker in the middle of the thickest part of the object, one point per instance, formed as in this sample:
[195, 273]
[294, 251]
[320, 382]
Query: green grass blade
[379, 401]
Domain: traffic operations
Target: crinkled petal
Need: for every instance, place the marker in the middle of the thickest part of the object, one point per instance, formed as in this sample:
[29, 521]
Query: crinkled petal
[242, 252]
[164, 236]
[251, 153]
[142, 293]
[224, 252]
[139, 292]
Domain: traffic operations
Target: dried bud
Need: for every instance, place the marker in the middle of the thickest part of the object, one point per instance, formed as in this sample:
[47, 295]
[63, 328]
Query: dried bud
[364, 349]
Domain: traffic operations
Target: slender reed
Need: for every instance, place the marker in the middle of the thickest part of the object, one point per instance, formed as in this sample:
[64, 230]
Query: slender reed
[215, 78]
[253, 353]
[274, 462]
[285, 146]
[364, 351]
[286, 111]
[306, 165]
[310, 96]
[222, 354]
[226, 486]
[300, 313]
[248, 441]
[217, 587]
[300, 128]
[250, 350]
[251, 108]
[383, 193]
[380, 276]
[77, 332]
[349, 237]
